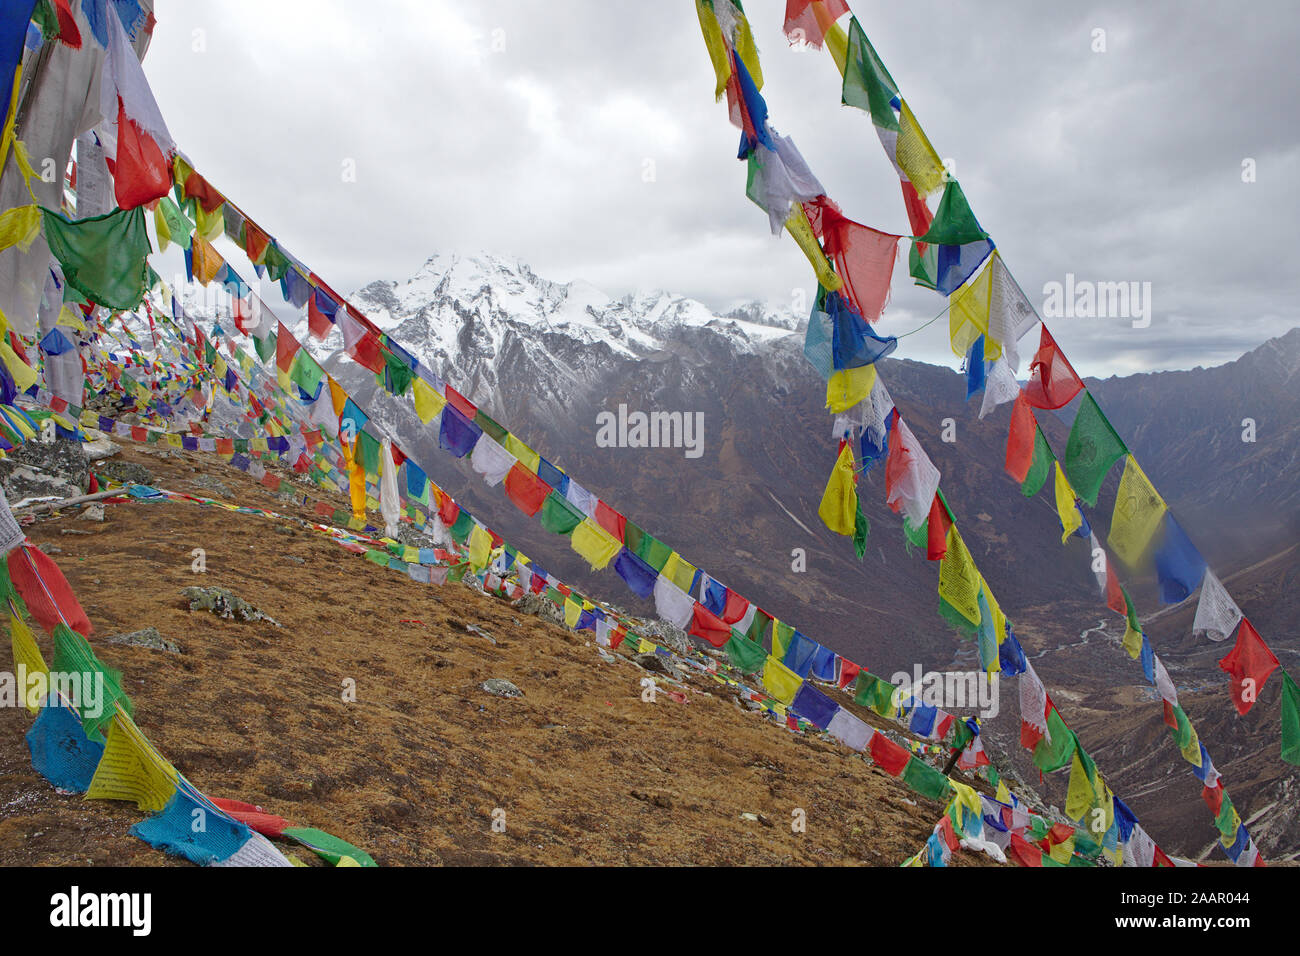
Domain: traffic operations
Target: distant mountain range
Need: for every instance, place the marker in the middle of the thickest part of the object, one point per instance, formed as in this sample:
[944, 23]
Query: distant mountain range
[545, 358]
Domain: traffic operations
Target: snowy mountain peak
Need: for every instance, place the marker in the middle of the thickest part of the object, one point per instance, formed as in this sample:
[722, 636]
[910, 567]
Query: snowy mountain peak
[469, 317]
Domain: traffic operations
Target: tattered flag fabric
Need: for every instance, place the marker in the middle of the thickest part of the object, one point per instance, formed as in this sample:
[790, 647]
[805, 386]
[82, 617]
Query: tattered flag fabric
[802, 23]
[1249, 663]
[1053, 383]
[103, 258]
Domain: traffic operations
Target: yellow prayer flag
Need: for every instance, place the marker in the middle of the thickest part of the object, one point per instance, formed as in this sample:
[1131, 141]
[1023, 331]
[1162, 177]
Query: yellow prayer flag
[680, 571]
[1062, 852]
[1139, 510]
[779, 681]
[572, 611]
[915, 156]
[131, 769]
[959, 580]
[209, 225]
[801, 232]
[480, 546]
[526, 456]
[20, 226]
[160, 228]
[716, 46]
[645, 647]
[779, 641]
[1132, 639]
[846, 387]
[839, 507]
[26, 655]
[968, 315]
[24, 375]
[596, 545]
[428, 403]
[1066, 510]
[206, 262]
[747, 50]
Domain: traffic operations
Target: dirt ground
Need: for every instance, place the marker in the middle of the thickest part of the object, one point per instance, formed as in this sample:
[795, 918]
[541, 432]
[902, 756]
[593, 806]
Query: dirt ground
[413, 770]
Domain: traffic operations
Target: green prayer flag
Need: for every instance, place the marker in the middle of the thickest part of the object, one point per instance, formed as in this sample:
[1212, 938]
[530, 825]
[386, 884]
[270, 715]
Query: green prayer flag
[954, 224]
[867, 84]
[1092, 449]
[105, 257]
[181, 229]
[653, 551]
[1041, 466]
[745, 655]
[265, 347]
[305, 372]
[758, 626]
[73, 655]
[463, 526]
[924, 779]
[924, 267]
[1054, 755]
[400, 375]
[559, 515]
[275, 262]
[494, 431]
[1290, 720]
[369, 445]
[861, 528]
[327, 846]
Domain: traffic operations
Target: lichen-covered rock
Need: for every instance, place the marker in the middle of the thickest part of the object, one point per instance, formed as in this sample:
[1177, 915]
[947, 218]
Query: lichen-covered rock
[499, 687]
[127, 472]
[223, 603]
[539, 606]
[145, 637]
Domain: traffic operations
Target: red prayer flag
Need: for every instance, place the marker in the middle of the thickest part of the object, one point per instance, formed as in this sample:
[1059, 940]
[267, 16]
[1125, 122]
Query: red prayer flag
[918, 213]
[848, 672]
[707, 626]
[1249, 663]
[140, 173]
[610, 520]
[461, 403]
[196, 187]
[317, 321]
[937, 530]
[525, 489]
[1020, 439]
[1025, 853]
[735, 607]
[1053, 381]
[45, 590]
[890, 757]
[806, 22]
[864, 258]
[285, 347]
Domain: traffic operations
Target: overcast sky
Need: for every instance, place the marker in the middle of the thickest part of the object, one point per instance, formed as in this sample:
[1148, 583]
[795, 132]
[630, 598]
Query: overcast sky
[526, 128]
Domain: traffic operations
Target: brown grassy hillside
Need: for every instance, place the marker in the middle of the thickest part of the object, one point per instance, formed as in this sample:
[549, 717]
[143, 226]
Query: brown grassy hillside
[411, 772]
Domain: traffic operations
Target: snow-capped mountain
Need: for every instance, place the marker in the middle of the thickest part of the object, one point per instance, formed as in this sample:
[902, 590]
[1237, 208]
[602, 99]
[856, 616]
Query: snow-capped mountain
[475, 319]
